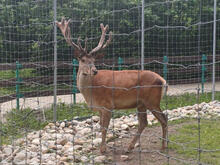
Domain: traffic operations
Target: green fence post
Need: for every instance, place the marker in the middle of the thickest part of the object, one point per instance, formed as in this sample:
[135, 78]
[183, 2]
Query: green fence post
[120, 62]
[18, 82]
[74, 91]
[204, 58]
[165, 61]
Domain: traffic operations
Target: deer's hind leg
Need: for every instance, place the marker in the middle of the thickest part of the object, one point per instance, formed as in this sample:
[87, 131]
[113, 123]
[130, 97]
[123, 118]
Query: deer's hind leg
[142, 123]
[161, 117]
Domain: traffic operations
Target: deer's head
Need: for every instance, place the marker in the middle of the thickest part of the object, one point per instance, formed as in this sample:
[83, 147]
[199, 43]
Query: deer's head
[86, 59]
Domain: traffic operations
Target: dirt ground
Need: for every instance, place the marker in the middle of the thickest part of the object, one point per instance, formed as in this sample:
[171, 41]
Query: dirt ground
[150, 147]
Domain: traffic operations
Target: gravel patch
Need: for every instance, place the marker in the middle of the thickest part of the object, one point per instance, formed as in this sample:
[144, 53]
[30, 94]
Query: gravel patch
[78, 141]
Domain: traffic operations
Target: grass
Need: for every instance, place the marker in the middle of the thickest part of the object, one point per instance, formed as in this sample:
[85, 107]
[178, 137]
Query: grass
[70, 112]
[18, 123]
[24, 73]
[186, 99]
[34, 88]
[188, 136]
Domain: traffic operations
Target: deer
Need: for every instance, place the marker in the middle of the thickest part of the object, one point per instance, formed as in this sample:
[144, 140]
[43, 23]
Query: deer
[108, 90]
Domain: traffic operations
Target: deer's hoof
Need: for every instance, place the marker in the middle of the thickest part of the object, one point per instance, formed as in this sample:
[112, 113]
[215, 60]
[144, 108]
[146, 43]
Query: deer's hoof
[163, 148]
[103, 149]
[130, 148]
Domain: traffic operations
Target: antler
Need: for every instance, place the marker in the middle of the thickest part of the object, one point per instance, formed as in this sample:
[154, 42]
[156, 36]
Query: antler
[101, 44]
[65, 29]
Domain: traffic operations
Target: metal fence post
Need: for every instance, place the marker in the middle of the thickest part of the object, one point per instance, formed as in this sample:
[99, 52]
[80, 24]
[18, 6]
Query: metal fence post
[165, 61]
[120, 62]
[18, 82]
[214, 52]
[74, 91]
[142, 36]
[204, 58]
[55, 61]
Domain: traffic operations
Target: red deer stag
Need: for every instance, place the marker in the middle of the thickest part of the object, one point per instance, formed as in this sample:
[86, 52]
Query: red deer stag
[106, 90]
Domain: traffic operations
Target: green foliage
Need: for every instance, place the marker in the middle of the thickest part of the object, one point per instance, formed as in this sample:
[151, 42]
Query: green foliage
[7, 91]
[28, 20]
[24, 73]
[33, 88]
[187, 135]
[70, 112]
[18, 123]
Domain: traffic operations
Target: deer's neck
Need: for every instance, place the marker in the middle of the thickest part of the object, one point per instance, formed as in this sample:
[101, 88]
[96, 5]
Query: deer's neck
[84, 83]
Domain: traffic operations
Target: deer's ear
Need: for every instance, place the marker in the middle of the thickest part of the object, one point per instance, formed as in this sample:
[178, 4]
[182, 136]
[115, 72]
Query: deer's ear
[77, 53]
[99, 55]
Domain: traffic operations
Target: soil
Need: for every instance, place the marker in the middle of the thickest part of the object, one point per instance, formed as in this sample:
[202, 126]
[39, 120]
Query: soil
[148, 153]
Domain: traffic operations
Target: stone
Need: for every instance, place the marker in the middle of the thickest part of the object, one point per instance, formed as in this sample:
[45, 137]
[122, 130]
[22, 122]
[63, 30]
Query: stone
[89, 121]
[69, 151]
[84, 159]
[137, 145]
[124, 127]
[46, 127]
[84, 131]
[76, 158]
[79, 142]
[95, 118]
[100, 159]
[110, 144]
[64, 159]
[36, 141]
[97, 141]
[20, 141]
[20, 163]
[135, 123]
[20, 157]
[62, 141]
[46, 157]
[61, 163]
[150, 118]
[91, 147]
[52, 147]
[62, 125]
[124, 157]
[34, 161]
[7, 151]
[77, 147]
[50, 162]
[44, 150]
[34, 148]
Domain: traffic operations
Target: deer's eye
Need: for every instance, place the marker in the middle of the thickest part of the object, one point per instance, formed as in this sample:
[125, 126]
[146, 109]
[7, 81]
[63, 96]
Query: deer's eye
[83, 60]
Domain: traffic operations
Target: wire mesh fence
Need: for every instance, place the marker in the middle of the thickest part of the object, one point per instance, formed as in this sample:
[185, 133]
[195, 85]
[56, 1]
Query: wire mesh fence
[46, 120]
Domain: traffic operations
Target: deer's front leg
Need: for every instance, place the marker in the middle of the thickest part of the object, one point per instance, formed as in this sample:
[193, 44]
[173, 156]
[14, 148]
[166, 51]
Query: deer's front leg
[105, 117]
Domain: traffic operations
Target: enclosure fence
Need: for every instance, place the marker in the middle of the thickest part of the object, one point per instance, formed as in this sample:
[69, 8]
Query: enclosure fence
[44, 118]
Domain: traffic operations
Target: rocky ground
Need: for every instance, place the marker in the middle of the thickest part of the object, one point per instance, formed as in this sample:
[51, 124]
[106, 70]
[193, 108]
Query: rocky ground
[72, 142]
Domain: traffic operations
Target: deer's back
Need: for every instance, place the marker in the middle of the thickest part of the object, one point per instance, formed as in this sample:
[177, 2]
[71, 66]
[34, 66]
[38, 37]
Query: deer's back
[124, 89]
